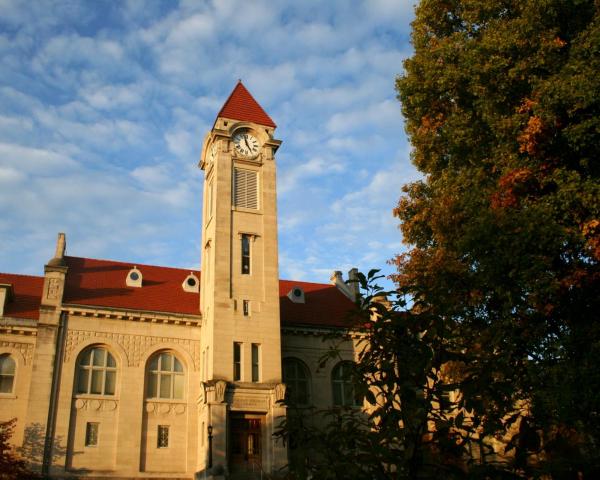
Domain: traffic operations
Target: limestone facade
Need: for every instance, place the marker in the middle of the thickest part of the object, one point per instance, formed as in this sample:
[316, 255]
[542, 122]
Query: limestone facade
[118, 370]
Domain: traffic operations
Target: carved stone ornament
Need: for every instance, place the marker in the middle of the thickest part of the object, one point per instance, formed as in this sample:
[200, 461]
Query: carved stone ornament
[26, 349]
[53, 289]
[220, 387]
[134, 345]
[96, 404]
[162, 409]
[280, 392]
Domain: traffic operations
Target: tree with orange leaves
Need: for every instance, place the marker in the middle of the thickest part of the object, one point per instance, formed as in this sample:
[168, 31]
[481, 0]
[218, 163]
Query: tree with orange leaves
[502, 106]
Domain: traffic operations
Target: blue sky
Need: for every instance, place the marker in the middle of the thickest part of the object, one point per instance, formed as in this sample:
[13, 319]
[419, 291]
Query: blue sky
[104, 106]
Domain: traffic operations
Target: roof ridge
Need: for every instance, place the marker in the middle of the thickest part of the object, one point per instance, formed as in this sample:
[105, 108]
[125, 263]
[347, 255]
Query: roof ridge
[136, 264]
[22, 275]
[305, 282]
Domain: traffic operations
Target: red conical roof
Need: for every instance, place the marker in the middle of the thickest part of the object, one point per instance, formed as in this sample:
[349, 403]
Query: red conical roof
[241, 106]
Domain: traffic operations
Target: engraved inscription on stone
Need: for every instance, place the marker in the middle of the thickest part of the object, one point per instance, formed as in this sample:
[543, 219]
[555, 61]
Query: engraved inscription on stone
[241, 402]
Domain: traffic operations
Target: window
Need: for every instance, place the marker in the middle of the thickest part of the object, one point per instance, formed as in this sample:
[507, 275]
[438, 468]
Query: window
[237, 361]
[245, 254]
[7, 374]
[343, 389]
[255, 362]
[245, 188]
[246, 305]
[96, 372]
[163, 436]
[91, 434]
[297, 380]
[165, 377]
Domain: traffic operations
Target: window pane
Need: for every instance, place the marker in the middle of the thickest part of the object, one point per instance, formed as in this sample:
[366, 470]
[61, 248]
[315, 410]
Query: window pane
[6, 383]
[245, 245]
[152, 385]
[154, 363]
[163, 436]
[165, 386]
[7, 365]
[110, 361]
[302, 393]
[337, 393]
[178, 386]
[99, 354]
[85, 357]
[82, 381]
[177, 365]
[91, 434]
[109, 383]
[97, 381]
[165, 362]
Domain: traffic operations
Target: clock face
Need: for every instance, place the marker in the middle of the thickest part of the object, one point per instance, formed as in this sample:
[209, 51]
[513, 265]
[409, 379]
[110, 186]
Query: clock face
[246, 144]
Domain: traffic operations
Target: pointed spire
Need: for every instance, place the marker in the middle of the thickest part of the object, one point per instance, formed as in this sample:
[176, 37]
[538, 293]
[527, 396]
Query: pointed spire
[241, 106]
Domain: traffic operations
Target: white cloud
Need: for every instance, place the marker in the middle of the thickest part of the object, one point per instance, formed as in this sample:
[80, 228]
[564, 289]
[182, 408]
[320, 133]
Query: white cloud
[104, 107]
[316, 166]
[384, 115]
[35, 160]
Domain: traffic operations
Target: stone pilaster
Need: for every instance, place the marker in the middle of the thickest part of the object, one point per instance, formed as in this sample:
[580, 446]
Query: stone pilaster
[37, 442]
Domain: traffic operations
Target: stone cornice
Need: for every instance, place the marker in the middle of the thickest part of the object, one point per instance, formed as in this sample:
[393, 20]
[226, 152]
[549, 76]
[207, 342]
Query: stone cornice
[132, 315]
[320, 331]
[18, 326]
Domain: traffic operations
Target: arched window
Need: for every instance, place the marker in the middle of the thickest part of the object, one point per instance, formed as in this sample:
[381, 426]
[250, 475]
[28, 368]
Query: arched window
[341, 382]
[7, 374]
[165, 377]
[297, 379]
[96, 372]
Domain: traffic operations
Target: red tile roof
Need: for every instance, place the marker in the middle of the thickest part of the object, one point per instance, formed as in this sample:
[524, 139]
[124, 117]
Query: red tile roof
[241, 106]
[101, 283]
[27, 294]
[325, 305]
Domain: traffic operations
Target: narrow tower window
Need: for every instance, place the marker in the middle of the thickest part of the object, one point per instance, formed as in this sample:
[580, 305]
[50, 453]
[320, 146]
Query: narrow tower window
[255, 362]
[237, 361]
[245, 254]
[246, 304]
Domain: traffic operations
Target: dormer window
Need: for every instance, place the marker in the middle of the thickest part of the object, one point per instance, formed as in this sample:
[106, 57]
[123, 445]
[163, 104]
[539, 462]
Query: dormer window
[296, 295]
[191, 284]
[134, 278]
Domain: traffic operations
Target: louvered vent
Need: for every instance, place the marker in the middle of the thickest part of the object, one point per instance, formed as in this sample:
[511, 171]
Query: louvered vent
[245, 188]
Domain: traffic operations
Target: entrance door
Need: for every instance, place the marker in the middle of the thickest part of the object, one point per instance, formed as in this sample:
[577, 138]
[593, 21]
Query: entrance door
[245, 455]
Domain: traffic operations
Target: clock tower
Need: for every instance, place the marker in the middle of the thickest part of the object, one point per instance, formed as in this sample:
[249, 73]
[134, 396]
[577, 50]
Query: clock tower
[239, 294]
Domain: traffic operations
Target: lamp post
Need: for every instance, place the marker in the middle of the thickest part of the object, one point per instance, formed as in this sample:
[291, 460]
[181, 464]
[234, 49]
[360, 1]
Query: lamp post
[210, 437]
